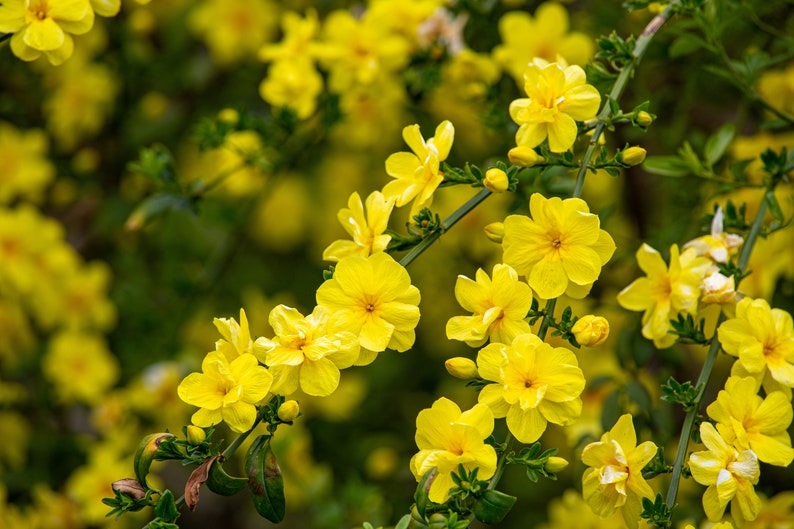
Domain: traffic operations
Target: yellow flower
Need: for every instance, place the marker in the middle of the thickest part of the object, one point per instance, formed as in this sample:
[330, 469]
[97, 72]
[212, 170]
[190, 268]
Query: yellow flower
[236, 338]
[718, 245]
[545, 36]
[533, 384]
[26, 169]
[615, 480]
[307, 352]
[590, 330]
[763, 340]
[717, 289]
[729, 473]
[367, 230]
[294, 84]
[45, 26]
[558, 98]
[665, 292]
[448, 438]
[373, 298]
[417, 174]
[632, 156]
[499, 307]
[747, 421]
[560, 248]
[106, 8]
[298, 40]
[226, 391]
[80, 366]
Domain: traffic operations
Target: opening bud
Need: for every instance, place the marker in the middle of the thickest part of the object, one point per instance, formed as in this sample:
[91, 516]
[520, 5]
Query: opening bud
[462, 368]
[632, 156]
[524, 156]
[555, 464]
[195, 435]
[495, 231]
[590, 330]
[288, 411]
[717, 289]
[495, 180]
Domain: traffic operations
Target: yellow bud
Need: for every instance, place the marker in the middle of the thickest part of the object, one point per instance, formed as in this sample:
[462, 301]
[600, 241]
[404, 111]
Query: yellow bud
[590, 330]
[495, 231]
[555, 464]
[229, 115]
[524, 156]
[462, 368]
[288, 411]
[195, 435]
[644, 119]
[632, 156]
[495, 180]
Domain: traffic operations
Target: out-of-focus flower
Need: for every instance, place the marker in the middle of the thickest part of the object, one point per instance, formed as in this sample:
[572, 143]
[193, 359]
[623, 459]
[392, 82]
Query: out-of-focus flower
[306, 352]
[718, 245]
[106, 8]
[499, 307]
[367, 230]
[373, 298]
[558, 97]
[747, 421]
[763, 340]
[417, 174]
[561, 246]
[25, 169]
[294, 84]
[533, 384]
[80, 367]
[226, 391]
[447, 438]
[665, 292]
[45, 26]
[590, 330]
[444, 28]
[298, 43]
[614, 480]
[729, 473]
[545, 35]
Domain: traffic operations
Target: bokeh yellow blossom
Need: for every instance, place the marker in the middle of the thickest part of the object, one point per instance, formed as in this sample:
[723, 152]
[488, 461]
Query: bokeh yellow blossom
[80, 366]
[614, 480]
[560, 248]
[447, 438]
[533, 384]
[292, 84]
[26, 171]
[499, 306]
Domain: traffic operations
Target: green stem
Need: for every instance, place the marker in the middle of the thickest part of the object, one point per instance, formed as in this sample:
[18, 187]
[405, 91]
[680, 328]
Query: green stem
[500, 466]
[708, 364]
[450, 221]
[547, 317]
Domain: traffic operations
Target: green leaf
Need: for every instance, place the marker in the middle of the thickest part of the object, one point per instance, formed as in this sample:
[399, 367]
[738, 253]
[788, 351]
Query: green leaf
[666, 166]
[493, 506]
[264, 480]
[403, 523]
[166, 507]
[219, 482]
[686, 44]
[774, 206]
[718, 143]
[155, 206]
[422, 494]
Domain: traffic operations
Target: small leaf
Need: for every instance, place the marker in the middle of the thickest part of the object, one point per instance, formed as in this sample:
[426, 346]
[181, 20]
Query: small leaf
[166, 507]
[403, 523]
[718, 143]
[774, 206]
[422, 494]
[154, 206]
[493, 506]
[666, 166]
[222, 483]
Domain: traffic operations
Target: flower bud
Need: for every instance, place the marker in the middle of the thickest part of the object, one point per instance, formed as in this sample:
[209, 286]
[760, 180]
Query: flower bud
[524, 156]
[590, 330]
[462, 368]
[644, 119]
[195, 435]
[495, 232]
[632, 156]
[288, 411]
[717, 289]
[555, 464]
[495, 180]
[229, 115]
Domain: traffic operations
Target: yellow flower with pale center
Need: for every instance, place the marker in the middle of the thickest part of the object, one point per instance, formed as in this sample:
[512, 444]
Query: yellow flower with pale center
[45, 26]
[664, 292]
[226, 391]
[307, 351]
[558, 97]
[747, 421]
[367, 230]
[546, 35]
[417, 174]
[763, 340]
[533, 384]
[373, 298]
[499, 307]
[729, 473]
[447, 438]
[614, 480]
[561, 249]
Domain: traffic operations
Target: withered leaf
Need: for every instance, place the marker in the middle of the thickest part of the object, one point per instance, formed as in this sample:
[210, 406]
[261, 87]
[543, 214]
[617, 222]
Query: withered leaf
[196, 480]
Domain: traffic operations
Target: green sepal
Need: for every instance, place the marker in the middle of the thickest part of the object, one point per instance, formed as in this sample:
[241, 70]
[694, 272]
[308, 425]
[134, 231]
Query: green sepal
[493, 506]
[422, 494]
[264, 480]
[219, 482]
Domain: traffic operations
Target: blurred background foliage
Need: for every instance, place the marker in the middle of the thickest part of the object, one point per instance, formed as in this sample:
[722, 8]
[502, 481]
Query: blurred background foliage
[146, 187]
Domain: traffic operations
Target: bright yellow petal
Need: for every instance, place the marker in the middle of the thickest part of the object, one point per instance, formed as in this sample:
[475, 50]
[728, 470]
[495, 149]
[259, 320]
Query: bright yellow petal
[240, 416]
[562, 133]
[526, 425]
[44, 35]
[548, 278]
[320, 378]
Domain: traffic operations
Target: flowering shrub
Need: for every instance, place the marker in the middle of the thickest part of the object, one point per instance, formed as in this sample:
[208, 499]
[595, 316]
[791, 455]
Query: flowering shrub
[221, 220]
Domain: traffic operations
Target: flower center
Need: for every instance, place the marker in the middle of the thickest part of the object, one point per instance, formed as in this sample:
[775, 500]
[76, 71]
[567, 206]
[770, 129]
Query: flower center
[38, 10]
